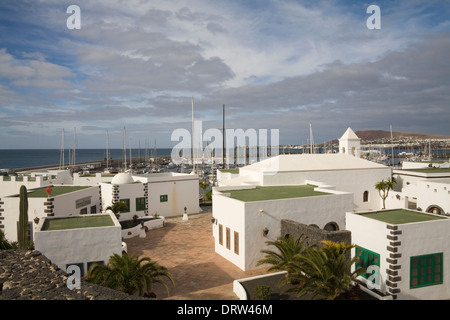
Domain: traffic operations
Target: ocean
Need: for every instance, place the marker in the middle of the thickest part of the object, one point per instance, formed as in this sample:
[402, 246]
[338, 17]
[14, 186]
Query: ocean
[26, 158]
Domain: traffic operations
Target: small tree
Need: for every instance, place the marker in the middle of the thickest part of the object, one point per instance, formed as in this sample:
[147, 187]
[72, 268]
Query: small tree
[117, 207]
[284, 258]
[23, 219]
[129, 274]
[383, 188]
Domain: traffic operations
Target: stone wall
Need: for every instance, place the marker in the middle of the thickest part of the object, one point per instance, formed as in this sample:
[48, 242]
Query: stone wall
[314, 234]
[29, 275]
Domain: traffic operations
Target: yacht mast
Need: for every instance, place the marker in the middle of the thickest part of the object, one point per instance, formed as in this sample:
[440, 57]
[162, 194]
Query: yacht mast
[311, 139]
[124, 152]
[107, 150]
[61, 156]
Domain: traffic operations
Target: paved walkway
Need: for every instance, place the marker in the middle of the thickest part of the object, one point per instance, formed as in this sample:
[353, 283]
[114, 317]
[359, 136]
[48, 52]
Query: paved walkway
[186, 249]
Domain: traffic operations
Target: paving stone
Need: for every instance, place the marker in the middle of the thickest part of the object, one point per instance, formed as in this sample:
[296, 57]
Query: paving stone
[186, 249]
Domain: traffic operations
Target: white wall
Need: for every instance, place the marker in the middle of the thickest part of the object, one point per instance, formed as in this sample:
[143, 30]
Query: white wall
[247, 219]
[230, 213]
[84, 245]
[371, 235]
[416, 239]
[420, 239]
[354, 181]
[64, 206]
[180, 194]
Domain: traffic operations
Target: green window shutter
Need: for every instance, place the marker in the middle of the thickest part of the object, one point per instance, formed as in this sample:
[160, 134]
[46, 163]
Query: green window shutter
[426, 270]
[366, 258]
[140, 204]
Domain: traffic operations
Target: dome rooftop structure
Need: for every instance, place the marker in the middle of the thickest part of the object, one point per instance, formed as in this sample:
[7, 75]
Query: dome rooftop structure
[122, 178]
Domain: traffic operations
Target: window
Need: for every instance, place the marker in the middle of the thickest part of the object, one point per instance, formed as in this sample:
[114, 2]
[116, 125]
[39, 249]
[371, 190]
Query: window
[366, 258]
[82, 202]
[89, 264]
[127, 202]
[426, 270]
[220, 234]
[366, 196]
[94, 209]
[236, 242]
[83, 211]
[140, 204]
[163, 198]
[228, 240]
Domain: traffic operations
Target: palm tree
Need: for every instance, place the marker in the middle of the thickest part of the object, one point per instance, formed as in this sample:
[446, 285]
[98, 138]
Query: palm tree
[285, 257]
[117, 207]
[326, 270]
[128, 274]
[383, 188]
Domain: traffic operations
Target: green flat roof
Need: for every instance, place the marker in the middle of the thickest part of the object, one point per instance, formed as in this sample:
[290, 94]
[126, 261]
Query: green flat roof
[401, 216]
[56, 191]
[429, 170]
[274, 193]
[77, 222]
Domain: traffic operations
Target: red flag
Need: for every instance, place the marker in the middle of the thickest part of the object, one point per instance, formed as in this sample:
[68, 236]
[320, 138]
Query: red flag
[48, 190]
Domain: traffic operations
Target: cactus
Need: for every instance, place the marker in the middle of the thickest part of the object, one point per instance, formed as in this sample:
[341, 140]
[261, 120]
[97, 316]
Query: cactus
[23, 218]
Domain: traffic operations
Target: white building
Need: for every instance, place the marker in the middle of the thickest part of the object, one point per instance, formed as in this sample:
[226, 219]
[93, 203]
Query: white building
[245, 218]
[79, 241]
[424, 189]
[36, 179]
[350, 144]
[343, 172]
[347, 181]
[164, 194]
[409, 249]
[63, 201]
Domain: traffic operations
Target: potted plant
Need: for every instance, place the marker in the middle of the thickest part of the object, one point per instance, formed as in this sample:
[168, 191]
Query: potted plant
[185, 215]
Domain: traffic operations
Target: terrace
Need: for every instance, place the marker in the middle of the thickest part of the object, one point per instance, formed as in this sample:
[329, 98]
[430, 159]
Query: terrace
[401, 216]
[56, 191]
[275, 193]
[77, 223]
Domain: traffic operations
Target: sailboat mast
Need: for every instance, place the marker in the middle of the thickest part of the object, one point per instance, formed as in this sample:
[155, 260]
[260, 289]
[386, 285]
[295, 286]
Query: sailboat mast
[311, 139]
[192, 136]
[107, 150]
[129, 146]
[124, 153]
[392, 148]
[74, 146]
[61, 157]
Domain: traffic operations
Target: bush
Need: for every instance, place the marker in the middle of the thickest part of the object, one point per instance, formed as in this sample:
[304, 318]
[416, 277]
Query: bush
[262, 292]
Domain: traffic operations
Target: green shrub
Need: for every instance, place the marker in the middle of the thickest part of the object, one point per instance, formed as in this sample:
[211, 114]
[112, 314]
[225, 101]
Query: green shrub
[262, 292]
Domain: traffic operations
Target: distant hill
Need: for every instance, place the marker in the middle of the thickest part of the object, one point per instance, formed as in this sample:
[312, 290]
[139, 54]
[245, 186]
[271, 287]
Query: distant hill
[371, 135]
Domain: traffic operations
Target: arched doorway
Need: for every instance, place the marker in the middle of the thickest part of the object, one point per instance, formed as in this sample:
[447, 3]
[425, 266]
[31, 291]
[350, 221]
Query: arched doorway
[331, 226]
[435, 209]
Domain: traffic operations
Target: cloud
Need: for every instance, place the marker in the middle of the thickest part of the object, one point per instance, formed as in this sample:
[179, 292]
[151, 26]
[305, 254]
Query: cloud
[275, 64]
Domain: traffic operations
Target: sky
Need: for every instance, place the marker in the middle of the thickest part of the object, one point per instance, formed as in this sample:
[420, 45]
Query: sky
[284, 64]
